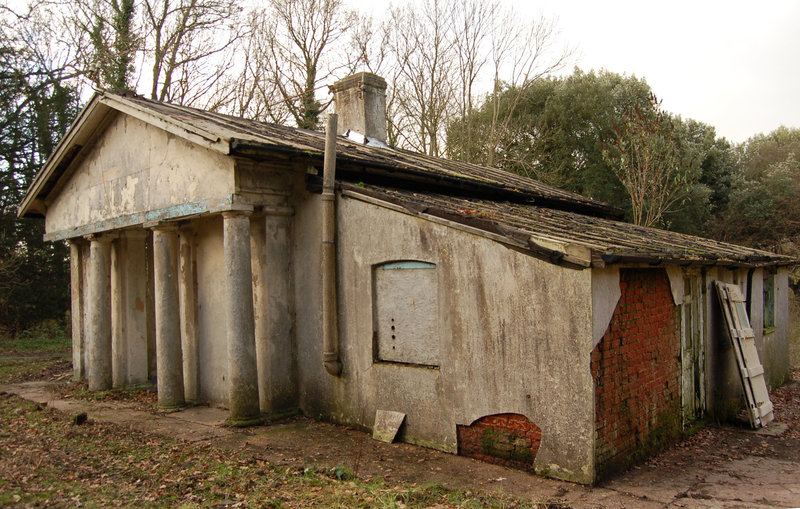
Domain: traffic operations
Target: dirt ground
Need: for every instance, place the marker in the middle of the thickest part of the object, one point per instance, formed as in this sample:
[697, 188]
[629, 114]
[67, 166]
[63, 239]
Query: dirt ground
[719, 466]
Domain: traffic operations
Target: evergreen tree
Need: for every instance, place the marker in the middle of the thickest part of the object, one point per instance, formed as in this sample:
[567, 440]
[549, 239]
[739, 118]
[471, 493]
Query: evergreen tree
[36, 108]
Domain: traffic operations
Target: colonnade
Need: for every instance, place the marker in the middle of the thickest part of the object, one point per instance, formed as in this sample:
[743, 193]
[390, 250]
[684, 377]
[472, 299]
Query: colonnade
[122, 302]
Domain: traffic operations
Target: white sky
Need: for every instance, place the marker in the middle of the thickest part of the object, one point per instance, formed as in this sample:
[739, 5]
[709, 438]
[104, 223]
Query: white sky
[732, 64]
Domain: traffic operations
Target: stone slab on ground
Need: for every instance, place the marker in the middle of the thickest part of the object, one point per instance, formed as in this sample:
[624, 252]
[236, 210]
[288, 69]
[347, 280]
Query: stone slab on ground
[387, 424]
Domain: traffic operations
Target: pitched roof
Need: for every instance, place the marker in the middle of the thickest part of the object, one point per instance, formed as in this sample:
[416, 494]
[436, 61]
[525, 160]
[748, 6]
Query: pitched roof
[247, 138]
[563, 227]
[565, 237]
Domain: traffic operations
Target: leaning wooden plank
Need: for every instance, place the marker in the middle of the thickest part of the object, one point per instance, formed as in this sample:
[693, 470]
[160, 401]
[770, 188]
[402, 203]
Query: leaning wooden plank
[731, 326]
[743, 342]
[753, 370]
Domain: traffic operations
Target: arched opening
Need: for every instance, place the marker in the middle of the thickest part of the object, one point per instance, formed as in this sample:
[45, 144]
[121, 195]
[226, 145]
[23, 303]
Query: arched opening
[511, 440]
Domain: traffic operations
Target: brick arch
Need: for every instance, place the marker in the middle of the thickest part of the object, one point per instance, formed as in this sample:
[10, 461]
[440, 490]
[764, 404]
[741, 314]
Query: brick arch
[507, 439]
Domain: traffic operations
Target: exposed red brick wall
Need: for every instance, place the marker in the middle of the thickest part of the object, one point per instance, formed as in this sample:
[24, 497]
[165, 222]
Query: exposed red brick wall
[506, 439]
[636, 370]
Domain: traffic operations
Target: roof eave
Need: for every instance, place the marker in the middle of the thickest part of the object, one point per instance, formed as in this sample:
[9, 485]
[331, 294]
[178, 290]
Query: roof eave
[616, 258]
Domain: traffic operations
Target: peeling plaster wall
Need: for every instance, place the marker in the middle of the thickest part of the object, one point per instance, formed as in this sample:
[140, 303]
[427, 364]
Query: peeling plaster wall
[605, 295]
[515, 336]
[135, 168]
[637, 370]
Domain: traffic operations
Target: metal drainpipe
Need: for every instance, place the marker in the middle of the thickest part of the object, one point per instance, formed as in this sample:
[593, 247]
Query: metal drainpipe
[330, 334]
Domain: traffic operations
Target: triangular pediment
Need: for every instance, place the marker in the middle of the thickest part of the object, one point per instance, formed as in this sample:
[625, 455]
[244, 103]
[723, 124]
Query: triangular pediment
[126, 169]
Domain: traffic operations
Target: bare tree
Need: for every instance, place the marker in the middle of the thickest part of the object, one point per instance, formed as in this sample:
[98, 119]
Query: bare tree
[444, 52]
[423, 49]
[298, 38]
[113, 41]
[372, 42]
[248, 91]
[186, 44]
[645, 153]
[186, 41]
[473, 23]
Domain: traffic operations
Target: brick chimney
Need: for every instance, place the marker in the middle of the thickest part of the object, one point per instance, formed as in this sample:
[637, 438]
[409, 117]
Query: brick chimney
[360, 102]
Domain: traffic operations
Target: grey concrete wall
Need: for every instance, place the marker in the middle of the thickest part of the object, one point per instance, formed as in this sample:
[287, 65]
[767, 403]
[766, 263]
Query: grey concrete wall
[515, 336]
[138, 169]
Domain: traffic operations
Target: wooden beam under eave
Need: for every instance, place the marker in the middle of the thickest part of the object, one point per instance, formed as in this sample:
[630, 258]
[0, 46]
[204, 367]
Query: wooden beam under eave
[37, 206]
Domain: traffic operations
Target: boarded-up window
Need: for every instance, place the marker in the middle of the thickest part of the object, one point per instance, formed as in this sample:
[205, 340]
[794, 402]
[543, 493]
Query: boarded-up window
[406, 310]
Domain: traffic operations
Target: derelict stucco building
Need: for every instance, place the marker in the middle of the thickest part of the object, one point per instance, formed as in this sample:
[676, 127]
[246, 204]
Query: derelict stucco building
[507, 319]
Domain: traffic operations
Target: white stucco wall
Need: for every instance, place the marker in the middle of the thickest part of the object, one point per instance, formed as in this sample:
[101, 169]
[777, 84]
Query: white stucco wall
[515, 336]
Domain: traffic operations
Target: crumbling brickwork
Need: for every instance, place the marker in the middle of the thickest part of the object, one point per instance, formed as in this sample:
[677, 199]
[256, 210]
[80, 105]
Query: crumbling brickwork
[636, 371]
[505, 439]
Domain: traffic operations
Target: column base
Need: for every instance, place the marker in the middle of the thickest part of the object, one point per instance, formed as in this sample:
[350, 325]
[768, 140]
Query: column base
[172, 408]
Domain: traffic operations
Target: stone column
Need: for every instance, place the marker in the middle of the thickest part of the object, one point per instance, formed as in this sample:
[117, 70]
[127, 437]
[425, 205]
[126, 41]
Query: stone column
[242, 372]
[188, 303]
[77, 295]
[119, 334]
[274, 311]
[98, 313]
[167, 313]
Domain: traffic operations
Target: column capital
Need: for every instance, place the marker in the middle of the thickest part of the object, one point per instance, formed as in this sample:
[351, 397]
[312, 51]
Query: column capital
[232, 207]
[226, 214]
[187, 227]
[276, 210]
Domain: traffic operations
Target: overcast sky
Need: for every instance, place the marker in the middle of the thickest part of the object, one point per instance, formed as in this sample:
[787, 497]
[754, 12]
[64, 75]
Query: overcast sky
[732, 64]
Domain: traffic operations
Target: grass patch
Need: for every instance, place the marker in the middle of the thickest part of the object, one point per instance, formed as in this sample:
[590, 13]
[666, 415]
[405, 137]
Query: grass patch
[47, 460]
[49, 336]
[36, 353]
